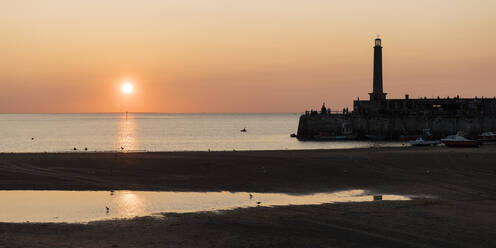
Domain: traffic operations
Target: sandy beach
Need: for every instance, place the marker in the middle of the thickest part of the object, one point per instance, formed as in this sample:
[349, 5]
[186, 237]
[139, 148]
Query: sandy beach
[460, 210]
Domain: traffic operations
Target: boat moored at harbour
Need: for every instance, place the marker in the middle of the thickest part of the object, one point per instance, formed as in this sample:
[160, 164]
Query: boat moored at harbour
[487, 137]
[422, 142]
[459, 141]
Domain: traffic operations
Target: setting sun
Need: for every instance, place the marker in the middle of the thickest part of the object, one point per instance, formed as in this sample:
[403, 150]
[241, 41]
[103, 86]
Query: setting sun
[127, 88]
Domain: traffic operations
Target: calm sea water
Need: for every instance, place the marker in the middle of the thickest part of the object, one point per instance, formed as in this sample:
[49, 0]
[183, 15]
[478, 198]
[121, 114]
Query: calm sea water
[156, 132]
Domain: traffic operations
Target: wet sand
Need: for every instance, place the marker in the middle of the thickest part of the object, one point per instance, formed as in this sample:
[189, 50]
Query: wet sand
[462, 212]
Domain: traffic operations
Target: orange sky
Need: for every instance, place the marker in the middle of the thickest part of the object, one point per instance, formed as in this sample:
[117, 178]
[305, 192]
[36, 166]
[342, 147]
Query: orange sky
[238, 56]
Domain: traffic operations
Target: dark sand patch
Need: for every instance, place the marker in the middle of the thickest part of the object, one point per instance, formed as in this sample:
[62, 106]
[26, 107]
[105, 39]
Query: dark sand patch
[463, 216]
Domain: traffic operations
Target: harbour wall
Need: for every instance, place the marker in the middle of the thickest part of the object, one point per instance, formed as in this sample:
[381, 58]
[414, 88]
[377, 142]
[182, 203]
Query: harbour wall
[392, 128]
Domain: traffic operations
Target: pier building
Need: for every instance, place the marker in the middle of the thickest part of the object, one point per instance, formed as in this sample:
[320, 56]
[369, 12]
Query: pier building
[391, 119]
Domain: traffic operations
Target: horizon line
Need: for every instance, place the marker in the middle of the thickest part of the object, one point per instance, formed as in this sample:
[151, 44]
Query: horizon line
[138, 112]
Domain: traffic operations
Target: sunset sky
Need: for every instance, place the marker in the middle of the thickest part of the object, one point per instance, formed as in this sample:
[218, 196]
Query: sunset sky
[200, 56]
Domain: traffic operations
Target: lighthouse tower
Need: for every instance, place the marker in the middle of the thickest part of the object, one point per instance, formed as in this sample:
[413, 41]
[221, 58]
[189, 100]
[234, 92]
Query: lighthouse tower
[377, 93]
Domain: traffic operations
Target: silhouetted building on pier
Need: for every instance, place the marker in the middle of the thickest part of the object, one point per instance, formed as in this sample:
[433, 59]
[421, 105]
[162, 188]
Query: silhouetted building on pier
[385, 118]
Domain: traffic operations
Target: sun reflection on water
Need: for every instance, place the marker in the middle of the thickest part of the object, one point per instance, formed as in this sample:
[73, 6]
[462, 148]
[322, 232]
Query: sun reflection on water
[130, 204]
[127, 133]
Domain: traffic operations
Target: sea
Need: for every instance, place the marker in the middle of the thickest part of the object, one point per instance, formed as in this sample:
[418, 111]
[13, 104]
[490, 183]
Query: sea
[152, 132]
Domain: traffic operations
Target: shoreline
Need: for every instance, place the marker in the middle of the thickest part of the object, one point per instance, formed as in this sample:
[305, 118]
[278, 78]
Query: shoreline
[406, 147]
[234, 150]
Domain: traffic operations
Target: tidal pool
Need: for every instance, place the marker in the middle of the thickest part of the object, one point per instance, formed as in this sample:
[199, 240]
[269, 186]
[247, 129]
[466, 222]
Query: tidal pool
[84, 206]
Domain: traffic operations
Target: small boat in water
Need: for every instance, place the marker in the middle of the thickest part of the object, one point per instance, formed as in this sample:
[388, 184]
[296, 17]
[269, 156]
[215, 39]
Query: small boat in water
[422, 142]
[488, 137]
[459, 141]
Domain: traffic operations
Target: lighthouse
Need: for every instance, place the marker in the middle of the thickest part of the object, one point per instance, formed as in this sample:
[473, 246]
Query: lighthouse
[377, 92]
